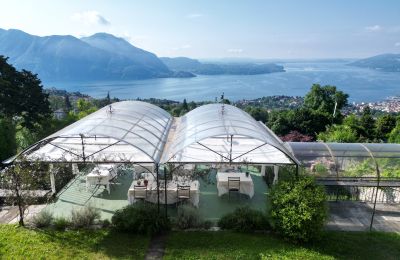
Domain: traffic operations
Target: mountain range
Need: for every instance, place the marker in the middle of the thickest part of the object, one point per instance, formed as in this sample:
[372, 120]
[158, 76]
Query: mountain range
[104, 56]
[98, 57]
[220, 68]
[385, 62]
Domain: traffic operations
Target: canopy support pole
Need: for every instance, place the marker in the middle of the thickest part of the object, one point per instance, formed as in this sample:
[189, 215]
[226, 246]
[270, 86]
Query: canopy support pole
[165, 192]
[158, 190]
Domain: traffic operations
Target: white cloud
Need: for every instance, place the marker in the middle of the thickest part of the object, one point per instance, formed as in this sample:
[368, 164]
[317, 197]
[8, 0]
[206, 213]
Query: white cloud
[235, 50]
[373, 28]
[194, 16]
[397, 44]
[90, 17]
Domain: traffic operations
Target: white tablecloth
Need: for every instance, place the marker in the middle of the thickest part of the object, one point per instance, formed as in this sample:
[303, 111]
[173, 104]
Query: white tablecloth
[101, 175]
[246, 183]
[171, 191]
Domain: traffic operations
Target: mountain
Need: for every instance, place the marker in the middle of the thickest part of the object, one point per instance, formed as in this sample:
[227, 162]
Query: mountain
[234, 68]
[384, 62]
[98, 57]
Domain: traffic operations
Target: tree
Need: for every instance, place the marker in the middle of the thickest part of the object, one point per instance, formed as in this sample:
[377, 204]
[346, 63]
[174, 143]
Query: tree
[394, 136]
[7, 138]
[338, 133]
[298, 208]
[323, 99]
[259, 114]
[68, 105]
[296, 136]
[22, 182]
[368, 123]
[185, 106]
[21, 94]
[108, 99]
[384, 125]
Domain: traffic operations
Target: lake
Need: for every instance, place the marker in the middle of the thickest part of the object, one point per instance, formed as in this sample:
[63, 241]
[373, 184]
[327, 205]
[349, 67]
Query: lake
[361, 84]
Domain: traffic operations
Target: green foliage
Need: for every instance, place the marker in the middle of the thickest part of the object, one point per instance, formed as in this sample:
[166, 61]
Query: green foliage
[368, 124]
[21, 94]
[394, 136]
[61, 223]
[384, 125]
[19, 179]
[42, 219]
[244, 219]
[84, 217]
[229, 245]
[140, 218]
[259, 114]
[323, 99]
[7, 139]
[361, 168]
[22, 243]
[339, 134]
[298, 209]
[189, 217]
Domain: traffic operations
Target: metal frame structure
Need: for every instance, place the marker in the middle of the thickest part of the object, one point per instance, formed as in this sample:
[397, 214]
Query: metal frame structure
[309, 152]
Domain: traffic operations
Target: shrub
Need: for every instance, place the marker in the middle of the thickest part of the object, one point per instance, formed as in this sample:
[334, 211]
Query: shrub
[140, 218]
[43, 219]
[189, 217]
[106, 223]
[60, 223]
[244, 219]
[298, 209]
[84, 217]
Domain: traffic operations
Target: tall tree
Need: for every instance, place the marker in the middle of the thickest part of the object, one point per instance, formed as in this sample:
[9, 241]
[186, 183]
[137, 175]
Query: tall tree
[368, 123]
[21, 94]
[325, 99]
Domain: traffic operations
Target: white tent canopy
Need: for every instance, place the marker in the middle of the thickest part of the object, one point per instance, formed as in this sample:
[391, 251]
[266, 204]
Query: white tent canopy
[128, 131]
[138, 132]
[225, 134]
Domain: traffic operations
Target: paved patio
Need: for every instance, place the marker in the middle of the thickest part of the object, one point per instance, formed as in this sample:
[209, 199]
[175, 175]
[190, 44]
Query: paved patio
[356, 216]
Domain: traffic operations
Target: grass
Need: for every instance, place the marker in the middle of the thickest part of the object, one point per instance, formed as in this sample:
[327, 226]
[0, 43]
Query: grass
[21, 243]
[333, 245]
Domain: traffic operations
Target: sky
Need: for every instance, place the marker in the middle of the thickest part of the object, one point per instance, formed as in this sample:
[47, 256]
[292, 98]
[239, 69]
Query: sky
[261, 29]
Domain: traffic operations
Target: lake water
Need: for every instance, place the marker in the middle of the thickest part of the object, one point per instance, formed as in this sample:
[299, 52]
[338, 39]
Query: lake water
[361, 84]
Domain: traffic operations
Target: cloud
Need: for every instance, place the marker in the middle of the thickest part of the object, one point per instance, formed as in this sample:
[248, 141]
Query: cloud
[397, 44]
[91, 18]
[194, 16]
[373, 28]
[235, 50]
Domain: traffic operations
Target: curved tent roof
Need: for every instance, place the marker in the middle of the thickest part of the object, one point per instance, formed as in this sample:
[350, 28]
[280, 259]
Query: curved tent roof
[340, 158]
[223, 133]
[128, 131]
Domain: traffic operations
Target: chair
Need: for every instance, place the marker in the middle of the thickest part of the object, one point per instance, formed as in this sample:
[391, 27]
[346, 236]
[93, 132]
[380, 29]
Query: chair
[233, 185]
[140, 192]
[183, 193]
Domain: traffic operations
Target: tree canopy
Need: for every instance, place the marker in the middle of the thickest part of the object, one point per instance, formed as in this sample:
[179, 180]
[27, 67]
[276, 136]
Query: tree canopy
[21, 95]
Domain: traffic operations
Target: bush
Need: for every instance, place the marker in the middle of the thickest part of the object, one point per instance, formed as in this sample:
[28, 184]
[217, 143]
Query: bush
[298, 209]
[84, 217]
[60, 223]
[189, 217]
[43, 219]
[244, 219]
[140, 218]
[106, 223]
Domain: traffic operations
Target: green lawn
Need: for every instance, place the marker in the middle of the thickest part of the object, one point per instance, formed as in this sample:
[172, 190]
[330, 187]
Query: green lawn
[21, 243]
[334, 245]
